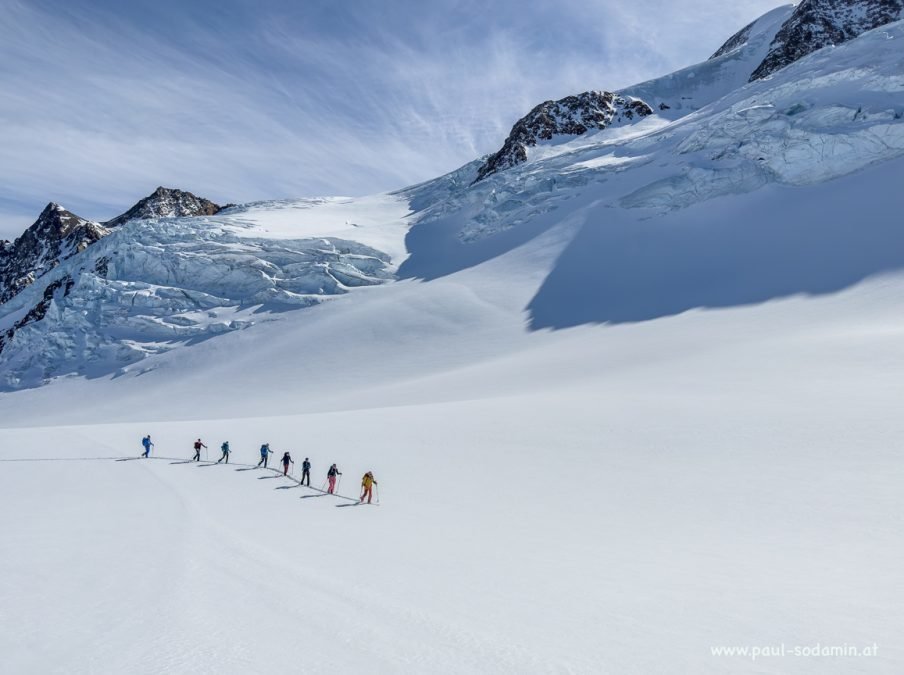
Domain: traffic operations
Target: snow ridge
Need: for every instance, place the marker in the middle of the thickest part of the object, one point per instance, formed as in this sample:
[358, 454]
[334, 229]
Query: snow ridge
[690, 89]
[736, 41]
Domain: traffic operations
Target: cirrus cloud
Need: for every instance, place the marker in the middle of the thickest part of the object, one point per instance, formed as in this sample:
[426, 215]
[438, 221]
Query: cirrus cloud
[238, 100]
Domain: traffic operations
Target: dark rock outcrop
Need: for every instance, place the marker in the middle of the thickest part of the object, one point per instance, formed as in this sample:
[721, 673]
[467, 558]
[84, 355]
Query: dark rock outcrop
[819, 23]
[573, 115]
[39, 311]
[167, 203]
[55, 236]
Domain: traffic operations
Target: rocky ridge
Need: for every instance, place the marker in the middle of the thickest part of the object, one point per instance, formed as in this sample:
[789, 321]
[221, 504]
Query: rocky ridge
[55, 236]
[570, 116]
[820, 23]
[167, 203]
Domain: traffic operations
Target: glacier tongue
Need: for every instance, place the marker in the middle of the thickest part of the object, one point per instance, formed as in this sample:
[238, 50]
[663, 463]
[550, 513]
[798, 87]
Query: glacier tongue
[152, 285]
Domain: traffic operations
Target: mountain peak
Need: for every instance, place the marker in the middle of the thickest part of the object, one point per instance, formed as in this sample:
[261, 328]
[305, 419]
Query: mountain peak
[56, 235]
[50, 209]
[55, 222]
[59, 234]
[570, 116]
[166, 202]
[819, 23]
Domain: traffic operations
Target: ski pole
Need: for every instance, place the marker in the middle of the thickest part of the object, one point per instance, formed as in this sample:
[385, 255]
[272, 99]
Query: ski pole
[377, 485]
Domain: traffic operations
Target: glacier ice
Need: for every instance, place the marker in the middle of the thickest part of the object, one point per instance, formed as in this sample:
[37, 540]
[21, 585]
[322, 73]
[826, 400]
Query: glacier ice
[153, 285]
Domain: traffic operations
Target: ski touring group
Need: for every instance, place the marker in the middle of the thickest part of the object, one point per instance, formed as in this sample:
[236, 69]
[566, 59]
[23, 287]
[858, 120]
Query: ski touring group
[333, 475]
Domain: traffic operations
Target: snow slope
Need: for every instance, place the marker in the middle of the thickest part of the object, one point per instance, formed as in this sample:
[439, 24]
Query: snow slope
[689, 89]
[631, 401]
[615, 499]
[828, 115]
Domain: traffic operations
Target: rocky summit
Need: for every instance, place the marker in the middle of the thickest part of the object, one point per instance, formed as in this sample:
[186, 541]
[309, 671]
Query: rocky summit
[819, 23]
[56, 235]
[572, 116]
[167, 203]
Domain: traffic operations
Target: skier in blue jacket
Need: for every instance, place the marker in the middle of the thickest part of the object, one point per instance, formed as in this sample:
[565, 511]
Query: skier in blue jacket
[265, 454]
[146, 442]
[225, 449]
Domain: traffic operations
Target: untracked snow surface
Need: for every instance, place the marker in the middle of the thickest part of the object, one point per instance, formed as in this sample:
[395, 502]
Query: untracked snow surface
[630, 405]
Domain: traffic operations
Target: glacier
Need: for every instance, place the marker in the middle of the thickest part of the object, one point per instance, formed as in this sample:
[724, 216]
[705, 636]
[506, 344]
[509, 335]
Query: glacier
[163, 283]
[153, 285]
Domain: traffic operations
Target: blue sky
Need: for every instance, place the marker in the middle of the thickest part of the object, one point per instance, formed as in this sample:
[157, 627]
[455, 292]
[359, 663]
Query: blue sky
[237, 100]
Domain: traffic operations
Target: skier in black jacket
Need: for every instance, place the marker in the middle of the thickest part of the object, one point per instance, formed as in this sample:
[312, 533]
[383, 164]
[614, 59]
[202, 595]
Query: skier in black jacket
[198, 446]
[286, 460]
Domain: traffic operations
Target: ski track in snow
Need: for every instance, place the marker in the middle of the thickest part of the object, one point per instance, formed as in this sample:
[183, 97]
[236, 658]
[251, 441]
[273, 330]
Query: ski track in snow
[199, 558]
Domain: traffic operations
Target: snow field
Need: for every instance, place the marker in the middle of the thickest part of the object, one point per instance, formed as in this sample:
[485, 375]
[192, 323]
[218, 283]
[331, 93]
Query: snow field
[627, 513]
